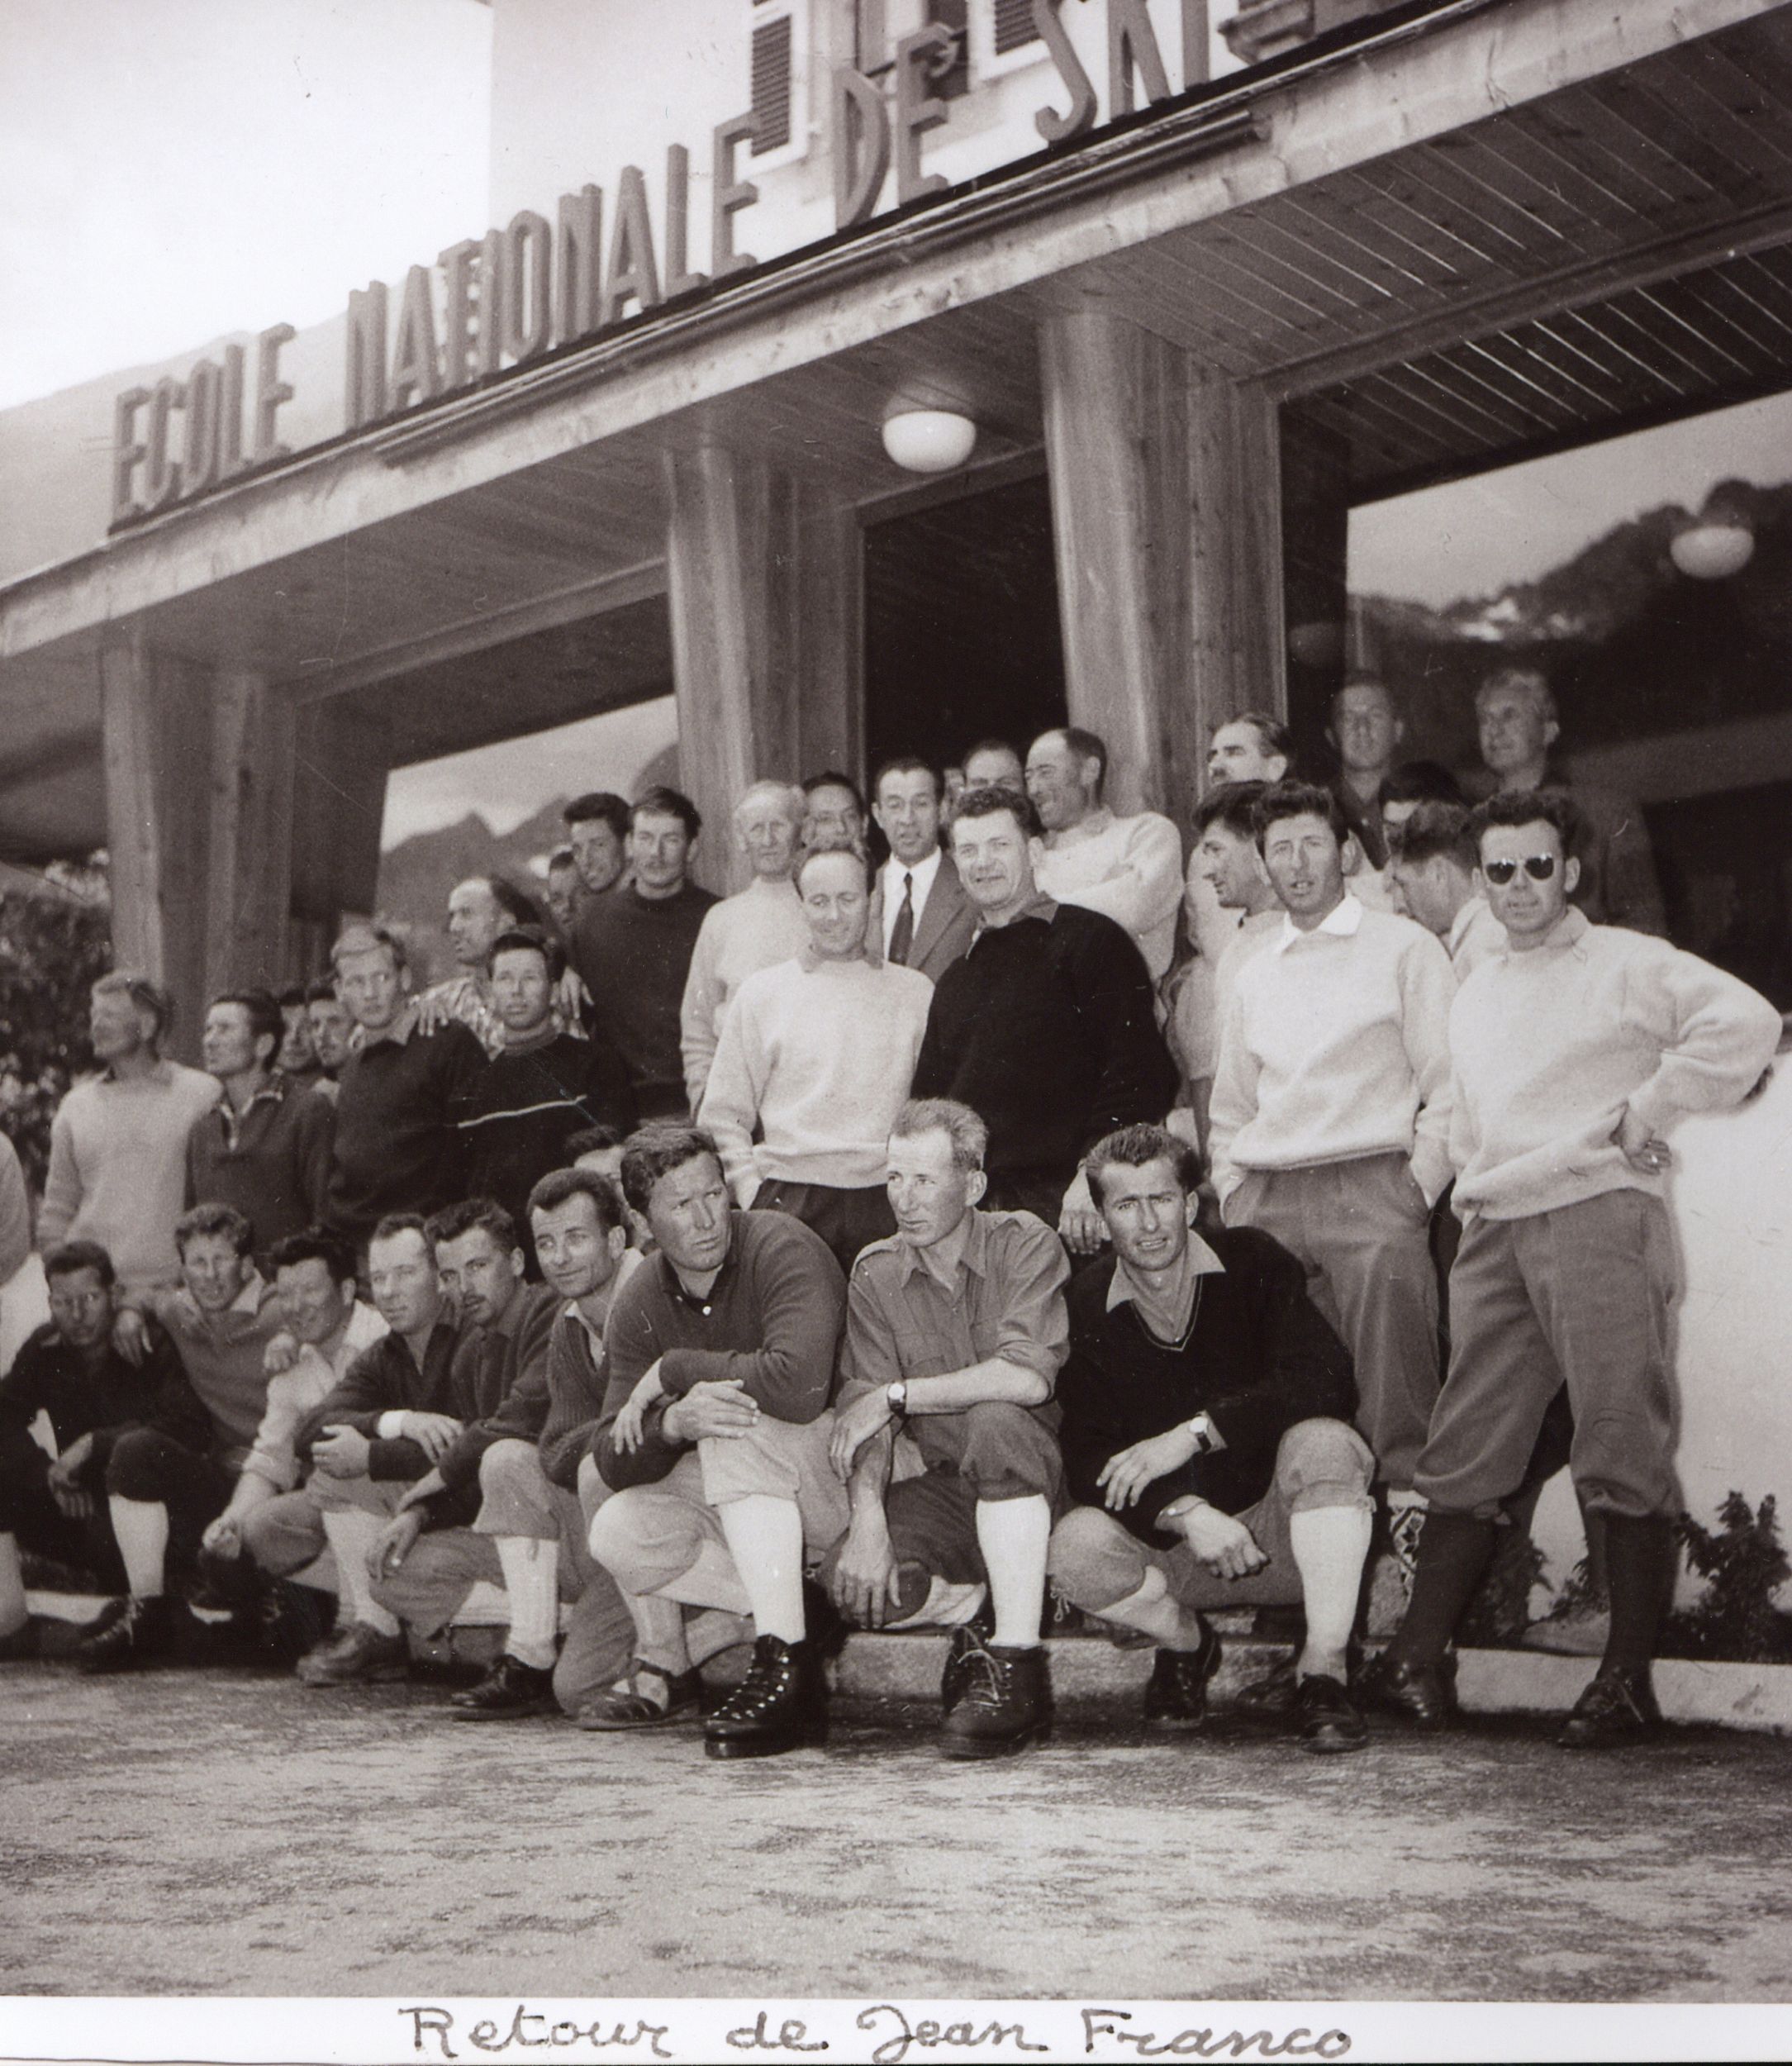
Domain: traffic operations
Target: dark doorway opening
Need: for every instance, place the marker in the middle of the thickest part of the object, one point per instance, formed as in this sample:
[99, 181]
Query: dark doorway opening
[961, 638]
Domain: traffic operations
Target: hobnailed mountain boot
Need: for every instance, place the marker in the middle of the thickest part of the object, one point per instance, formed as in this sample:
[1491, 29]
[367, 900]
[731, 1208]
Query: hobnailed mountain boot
[1006, 1703]
[781, 1705]
[968, 1638]
[125, 1642]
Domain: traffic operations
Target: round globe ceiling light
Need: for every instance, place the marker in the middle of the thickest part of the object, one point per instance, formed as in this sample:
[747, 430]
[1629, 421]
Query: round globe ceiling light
[1713, 552]
[928, 440]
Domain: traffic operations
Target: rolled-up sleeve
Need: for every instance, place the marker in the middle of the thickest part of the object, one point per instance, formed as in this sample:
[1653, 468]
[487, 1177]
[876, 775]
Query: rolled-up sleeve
[1029, 1270]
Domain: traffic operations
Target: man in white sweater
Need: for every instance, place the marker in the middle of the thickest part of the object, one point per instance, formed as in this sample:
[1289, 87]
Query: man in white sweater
[1129, 869]
[818, 1053]
[1574, 1054]
[755, 928]
[118, 1143]
[1328, 1124]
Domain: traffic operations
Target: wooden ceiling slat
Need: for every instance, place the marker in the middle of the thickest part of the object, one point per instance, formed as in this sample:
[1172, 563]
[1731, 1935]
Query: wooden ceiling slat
[1404, 437]
[1266, 257]
[1636, 323]
[1715, 302]
[1529, 137]
[1464, 384]
[1389, 260]
[1508, 365]
[1683, 316]
[1434, 258]
[1425, 386]
[1187, 291]
[1739, 108]
[1469, 179]
[1661, 124]
[1569, 137]
[1329, 263]
[1244, 302]
[1672, 188]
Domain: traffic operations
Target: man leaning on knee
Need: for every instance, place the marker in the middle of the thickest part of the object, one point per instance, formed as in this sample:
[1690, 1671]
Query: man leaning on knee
[1206, 1430]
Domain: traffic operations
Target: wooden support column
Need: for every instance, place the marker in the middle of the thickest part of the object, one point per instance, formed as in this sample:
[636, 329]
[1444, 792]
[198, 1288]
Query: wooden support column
[1316, 522]
[156, 727]
[1116, 445]
[249, 844]
[762, 582]
[341, 758]
[1166, 514]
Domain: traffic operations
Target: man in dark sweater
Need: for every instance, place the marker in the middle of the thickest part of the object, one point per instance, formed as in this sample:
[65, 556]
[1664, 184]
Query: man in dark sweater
[402, 1403]
[1206, 1428]
[632, 949]
[537, 1486]
[1045, 1027]
[133, 1468]
[396, 1146]
[517, 1115]
[265, 1149]
[715, 1431]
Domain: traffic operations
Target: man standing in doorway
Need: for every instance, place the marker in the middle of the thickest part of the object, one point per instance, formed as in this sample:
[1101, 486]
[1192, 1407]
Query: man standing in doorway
[1366, 730]
[1516, 719]
[633, 950]
[919, 877]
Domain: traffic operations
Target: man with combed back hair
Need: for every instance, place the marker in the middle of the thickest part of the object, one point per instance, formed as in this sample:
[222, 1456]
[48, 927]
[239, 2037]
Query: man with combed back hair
[264, 1147]
[955, 1332]
[1206, 1432]
[714, 1431]
[1045, 1027]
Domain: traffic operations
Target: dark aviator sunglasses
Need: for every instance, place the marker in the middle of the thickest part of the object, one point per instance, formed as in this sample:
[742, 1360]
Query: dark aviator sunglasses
[1539, 867]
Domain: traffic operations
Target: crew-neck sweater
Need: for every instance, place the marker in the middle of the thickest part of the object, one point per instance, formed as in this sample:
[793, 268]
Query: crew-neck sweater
[821, 1058]
[1549, 1045]
[516, 1115]
[1335, 1046]
[396, 1148]
[1046, 1029]
[1129, 869]
[118, 1168]
[760, 927]
[633, 954]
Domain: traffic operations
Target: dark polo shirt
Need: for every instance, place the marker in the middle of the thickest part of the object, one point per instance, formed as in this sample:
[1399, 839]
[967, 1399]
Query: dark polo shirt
[396, 1146]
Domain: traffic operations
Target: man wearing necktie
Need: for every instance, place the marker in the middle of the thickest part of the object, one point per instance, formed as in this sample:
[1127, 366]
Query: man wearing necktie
[927, 917]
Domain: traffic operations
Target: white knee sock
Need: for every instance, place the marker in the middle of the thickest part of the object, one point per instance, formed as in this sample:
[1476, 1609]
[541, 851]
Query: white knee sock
[352, 1535]
[14, 1613]
[139, 1527]
[765, 1537]
[1329, 1545]
[1012, 1534]
[1153, 1611]
[531, 1570]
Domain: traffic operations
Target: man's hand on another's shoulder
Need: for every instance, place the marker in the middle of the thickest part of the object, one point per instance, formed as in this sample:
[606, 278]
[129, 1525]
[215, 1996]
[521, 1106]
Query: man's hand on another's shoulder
[724, 1410]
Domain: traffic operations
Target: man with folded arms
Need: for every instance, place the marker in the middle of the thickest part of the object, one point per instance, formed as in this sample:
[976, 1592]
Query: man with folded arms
[1128, 869]
[133, 1470]
[1574, 1052]
[955, 1330]
[378, 1431]
[1045, 1027]
[715, 1436]
[1329, 1117]
[815, 1062]
[1206, 1430]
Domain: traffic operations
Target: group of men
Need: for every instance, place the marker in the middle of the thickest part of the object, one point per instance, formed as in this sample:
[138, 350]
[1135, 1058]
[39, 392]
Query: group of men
[720, 1252]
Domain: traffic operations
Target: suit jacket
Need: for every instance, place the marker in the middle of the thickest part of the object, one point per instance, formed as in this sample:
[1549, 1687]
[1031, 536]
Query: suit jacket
[948, 920]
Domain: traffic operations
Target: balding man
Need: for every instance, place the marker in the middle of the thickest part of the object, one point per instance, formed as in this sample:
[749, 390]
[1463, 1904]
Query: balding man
[1127, 869]
[1516, 719]
[757, 929]
[478, 910]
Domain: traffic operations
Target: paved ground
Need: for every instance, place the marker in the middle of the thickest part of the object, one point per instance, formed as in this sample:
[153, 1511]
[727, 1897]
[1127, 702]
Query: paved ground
[232, 1834]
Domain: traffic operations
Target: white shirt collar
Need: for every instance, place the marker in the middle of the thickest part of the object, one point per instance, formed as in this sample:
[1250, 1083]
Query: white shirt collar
[1203, 1262]
[1341, 921]
[923, 871]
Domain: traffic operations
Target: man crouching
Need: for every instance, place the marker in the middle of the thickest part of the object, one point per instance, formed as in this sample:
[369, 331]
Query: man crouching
[955, 1330]
[713, 1439]
[1206, 1408]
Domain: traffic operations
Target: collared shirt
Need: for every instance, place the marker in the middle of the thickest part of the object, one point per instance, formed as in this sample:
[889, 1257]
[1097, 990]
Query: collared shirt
[396, 1148]
[102, 1395]
[271, 1161]
[1198, 1260]
[293, 1393]
[923, 872]
[1336, 1047]
[1005, 1298]
[1474, 933]
[223, 1353]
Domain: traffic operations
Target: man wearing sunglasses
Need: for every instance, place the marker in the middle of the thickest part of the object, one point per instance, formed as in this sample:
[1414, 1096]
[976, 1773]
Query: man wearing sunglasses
[1574, 1052]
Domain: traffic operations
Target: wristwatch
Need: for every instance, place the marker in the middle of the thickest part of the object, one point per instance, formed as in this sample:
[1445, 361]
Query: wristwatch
[1202, 1429]
[895, 1396]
